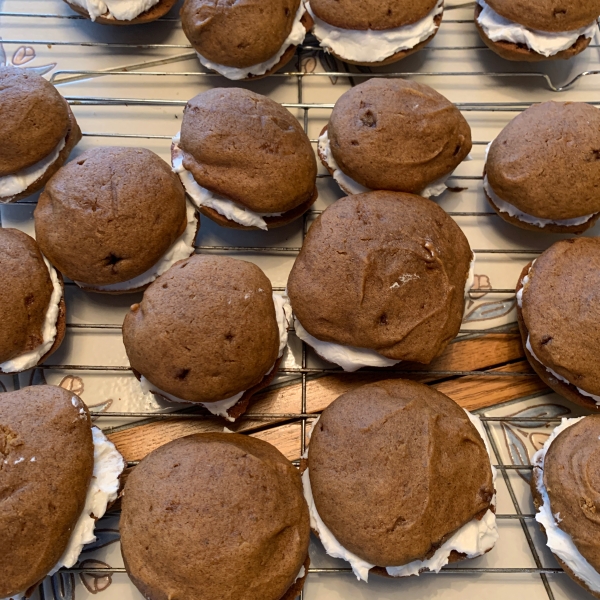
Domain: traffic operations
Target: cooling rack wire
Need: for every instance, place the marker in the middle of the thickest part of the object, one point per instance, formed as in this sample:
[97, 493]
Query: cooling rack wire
[304, 372]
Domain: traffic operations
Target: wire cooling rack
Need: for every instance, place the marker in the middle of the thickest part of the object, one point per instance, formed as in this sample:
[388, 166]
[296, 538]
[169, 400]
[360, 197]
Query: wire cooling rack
[305, 110]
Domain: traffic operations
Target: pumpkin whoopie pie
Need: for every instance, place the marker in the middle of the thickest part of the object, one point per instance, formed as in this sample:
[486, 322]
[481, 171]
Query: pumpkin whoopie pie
[122, 12]
[215, 515]
[394, 134]
[244, 160]
[542, 171]
[372, 32]
[380, 278]
[58, 475]
[211, 331]
[38, 131]
[565, 487]
[558, 310]
[245, 40]
[114, 219]
[420, 491]
[538, 29]
[32, 305]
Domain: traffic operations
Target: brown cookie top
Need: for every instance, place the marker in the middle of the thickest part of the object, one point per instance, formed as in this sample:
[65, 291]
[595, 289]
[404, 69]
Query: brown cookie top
[110, 215]
[549, 15]
[546, 161]
[238, 34]
[561, 310]
[397, 135]
[572, 480]
[248, 148]
[419, 471]
[205, 330]
[385, 271]
[214, 516]
[25, 295]
[371, 14]
[47, 457]
[34, 118]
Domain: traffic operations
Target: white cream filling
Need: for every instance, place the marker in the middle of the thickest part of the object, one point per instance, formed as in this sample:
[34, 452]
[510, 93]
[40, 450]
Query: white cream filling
[351, 358]
[121, 10]
[373, 45]
[560, 542]
[301, 573]
[182, 247]
[11, 185]
[497, 28]
[49, 330]
[103, 490]
[524, 282]
[513, 211]
[348, 185]
[295, 38]
[473, 539]
[283, 313]
[200, 196]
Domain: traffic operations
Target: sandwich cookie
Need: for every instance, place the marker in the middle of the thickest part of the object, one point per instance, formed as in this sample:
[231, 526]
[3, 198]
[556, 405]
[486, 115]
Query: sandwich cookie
[244, 160]
[374, 33]
[558, 309]
[209, 331]
[419, 492]
[394, 134]
[245, 40]
[122, 12]
[58, 475]
[566, 493]
[115, 219]
[32, 304]
[380, 278]
[215, 515]
[38, 131]
[543, 169]
[537, 30]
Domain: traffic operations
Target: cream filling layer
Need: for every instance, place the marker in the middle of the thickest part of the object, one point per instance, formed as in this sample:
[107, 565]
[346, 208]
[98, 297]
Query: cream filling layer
[373, 45]
[295, 38]
[103, 490]
[524, 282]
[348, 185]
[499, 29]
[49, 330]
[560, 542]
[120, 10]
[181, 248]
[11, 185]
[513, 211]
[200, 196]
[283, 315]
[473, 539]
[351, 358]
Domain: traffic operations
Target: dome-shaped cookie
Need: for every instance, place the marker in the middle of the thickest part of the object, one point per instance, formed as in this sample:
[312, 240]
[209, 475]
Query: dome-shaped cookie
[48, 456]
[382, 271]
[245, 160]
[110, 215]
[559, 318]
[243, 40]
[32, 307]
[420, 473]
[236, 501]
[38, 131]
[128, 12]
[566, 491]
[206, 331]
[393, 134]
[543, 169]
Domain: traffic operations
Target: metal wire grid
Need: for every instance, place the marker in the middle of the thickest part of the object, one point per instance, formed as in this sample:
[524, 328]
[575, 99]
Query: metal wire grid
[63, 76]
